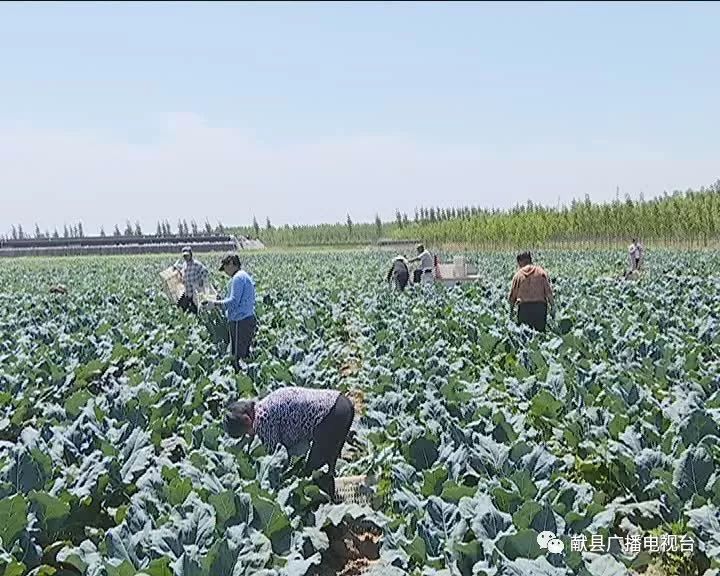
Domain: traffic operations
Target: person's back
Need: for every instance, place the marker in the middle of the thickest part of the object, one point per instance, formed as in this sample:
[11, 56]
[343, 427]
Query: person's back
[242, 300]
[532, 292]
[399, 272]
[290, 415]
[400, 266]
[426, 261]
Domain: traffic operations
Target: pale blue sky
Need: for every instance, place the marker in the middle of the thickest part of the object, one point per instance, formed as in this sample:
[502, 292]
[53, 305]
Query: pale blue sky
[305, 111]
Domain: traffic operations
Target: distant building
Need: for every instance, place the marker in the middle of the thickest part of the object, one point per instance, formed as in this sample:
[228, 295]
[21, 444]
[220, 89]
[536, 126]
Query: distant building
[398, 245]
[105, 245]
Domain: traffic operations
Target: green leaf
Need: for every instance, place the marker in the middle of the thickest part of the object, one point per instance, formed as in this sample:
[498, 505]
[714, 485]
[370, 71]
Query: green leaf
[245, 467]
[421, 453]
[572, 434]
[224, 504]
[81, 558]
[417, 551]
[618, 425]
[433, 481]
[159, 567]
[121, 514]
[178, 490]
[50, 511]
[524, 517]
[19, 414]
[245, 386]
[15, 568]
[76, 402]
[456, 392]
[697, 426]
[13, 519]
[89, 371]
[506, 501]
[692, 472]
[525, 485]
[545, 404]
[270, 519]
[45, 570]
[521, 545]
[453, 492]
[125, 568]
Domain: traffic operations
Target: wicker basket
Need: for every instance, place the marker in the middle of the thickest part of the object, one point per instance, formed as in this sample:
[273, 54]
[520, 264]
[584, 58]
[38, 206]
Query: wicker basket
[355, 489]
[173, 284]
[208, 293]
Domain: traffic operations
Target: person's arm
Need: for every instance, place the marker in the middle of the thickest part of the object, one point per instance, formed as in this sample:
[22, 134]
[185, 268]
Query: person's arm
[413, 260]
[549, 296]
[235, 292]
[512, 297]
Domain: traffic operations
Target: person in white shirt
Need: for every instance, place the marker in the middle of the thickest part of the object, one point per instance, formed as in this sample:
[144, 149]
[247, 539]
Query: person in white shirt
[635, 253]
[426, 265]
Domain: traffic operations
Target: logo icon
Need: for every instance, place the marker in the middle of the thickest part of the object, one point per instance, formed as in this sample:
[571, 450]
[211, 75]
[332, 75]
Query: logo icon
[548, 541]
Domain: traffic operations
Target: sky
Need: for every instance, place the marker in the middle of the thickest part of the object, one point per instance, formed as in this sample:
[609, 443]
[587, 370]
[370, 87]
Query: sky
[305, 112]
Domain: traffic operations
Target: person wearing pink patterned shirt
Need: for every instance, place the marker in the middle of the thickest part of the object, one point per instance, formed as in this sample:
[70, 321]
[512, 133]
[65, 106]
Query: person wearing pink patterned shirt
[292, 415]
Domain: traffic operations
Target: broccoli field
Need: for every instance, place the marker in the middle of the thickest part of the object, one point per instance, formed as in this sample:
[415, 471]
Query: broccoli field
[480, 434]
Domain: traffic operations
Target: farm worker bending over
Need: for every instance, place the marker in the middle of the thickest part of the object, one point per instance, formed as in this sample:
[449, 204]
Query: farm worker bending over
[239, 308]
[399, 272]
[426, 265]
[195, 278]
[292, 415]
[532, 292]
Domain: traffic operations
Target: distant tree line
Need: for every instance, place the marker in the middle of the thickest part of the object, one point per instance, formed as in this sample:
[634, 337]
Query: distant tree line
[163, 230]
[690, 218]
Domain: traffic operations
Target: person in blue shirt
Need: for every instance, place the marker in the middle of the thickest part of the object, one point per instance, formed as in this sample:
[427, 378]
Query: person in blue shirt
[239, 308]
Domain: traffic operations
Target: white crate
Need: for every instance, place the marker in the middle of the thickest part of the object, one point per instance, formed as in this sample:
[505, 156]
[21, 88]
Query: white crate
[355, 489]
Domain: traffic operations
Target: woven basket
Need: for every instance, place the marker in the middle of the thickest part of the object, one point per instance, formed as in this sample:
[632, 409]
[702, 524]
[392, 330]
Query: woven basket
[355, 489]
[207, 294]
[173, 284]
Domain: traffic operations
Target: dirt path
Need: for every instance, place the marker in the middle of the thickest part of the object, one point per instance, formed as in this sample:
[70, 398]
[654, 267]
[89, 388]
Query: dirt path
[353, 549]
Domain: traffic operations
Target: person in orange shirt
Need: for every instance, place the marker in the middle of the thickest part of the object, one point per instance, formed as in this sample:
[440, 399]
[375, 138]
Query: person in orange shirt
[532, 293]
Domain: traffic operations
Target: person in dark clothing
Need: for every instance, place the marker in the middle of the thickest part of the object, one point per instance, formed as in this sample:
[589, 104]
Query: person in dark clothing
[399, 272]
[532, 292]
[292, 415]
[186, 304]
